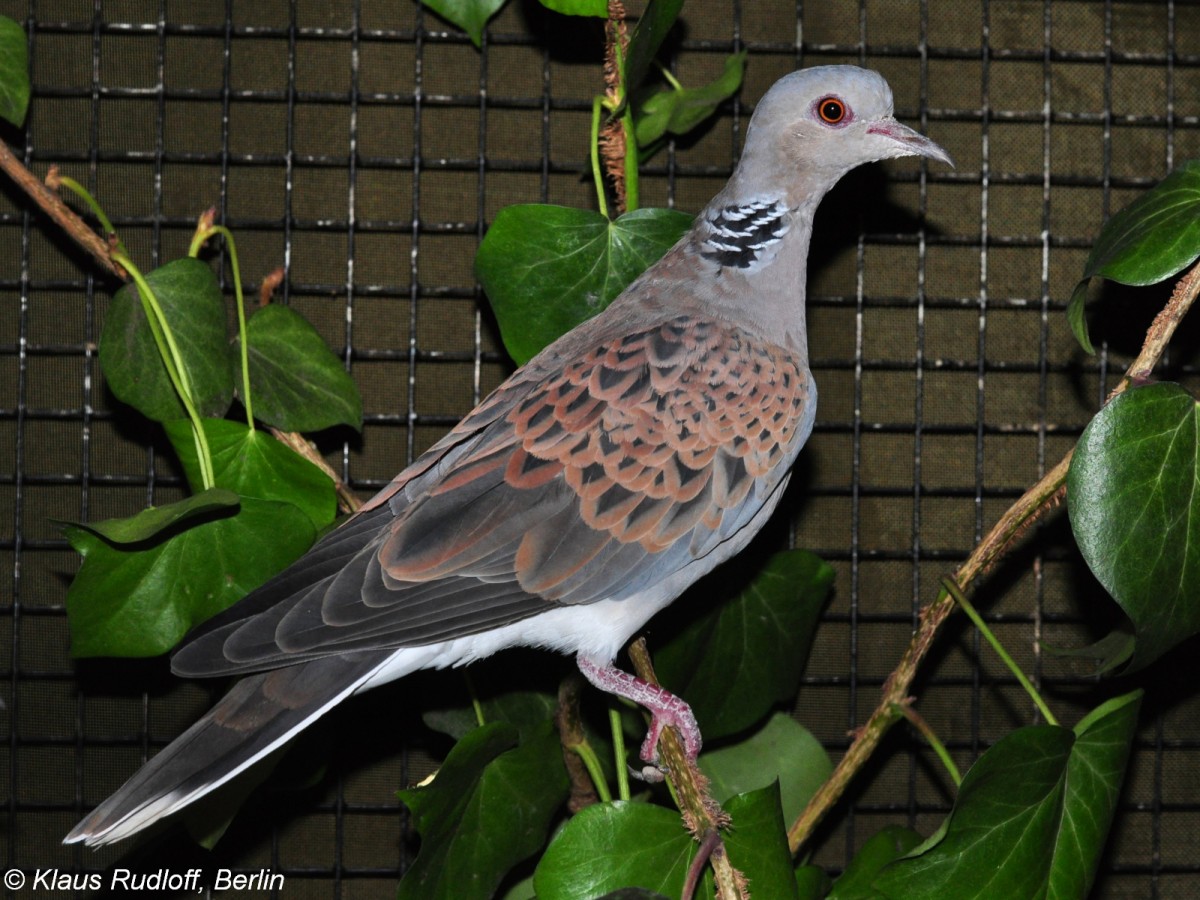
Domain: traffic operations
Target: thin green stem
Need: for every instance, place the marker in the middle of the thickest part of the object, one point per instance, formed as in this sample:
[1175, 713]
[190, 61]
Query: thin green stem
[618, 736]
[632, 196]
[172, 359]
[960, 598]
[671, 79]
[591, 761]
[82, 193]
[202, 235]
[198, 238]
[597, 172]
[918, 722]
[480, 718]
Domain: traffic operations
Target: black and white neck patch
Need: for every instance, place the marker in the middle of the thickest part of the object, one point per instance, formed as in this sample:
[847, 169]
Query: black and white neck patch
[742, 236]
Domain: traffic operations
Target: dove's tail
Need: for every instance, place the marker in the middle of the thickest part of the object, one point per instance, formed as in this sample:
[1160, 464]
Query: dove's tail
[258, 716]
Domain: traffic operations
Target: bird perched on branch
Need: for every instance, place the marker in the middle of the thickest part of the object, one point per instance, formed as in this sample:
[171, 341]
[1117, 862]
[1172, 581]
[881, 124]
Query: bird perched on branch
[581, 497]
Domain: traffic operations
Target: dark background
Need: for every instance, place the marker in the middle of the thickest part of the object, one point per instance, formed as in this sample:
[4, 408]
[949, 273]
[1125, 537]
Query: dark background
[366, 145]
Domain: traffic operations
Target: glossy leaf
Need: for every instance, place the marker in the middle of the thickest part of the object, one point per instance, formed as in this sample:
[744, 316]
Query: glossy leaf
[594, 8]
[1095, 772]
[609, 846]
[678, 110]
[734, 664]
[522, 890]
[469, 15]
[194, 309]
[757, 843]
[812, 883]
[652, 29]
[1110, 652]
[1154, 237]
[490, 806]
[254, 464]
[1132, 493]
[150, 522]
[999, 839]
[296, 383]
[127, 602]
[548, 268]
[1031, 817]
[783, 751]
[890, 844]
[1077, 316]
[523, 709]
[14, 71]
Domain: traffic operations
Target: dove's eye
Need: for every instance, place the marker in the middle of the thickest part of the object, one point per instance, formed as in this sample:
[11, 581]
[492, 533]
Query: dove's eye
[832, 110]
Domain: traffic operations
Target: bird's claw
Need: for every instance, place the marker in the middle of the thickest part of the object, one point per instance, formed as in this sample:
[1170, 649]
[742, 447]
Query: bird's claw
[651, 774]
[673, 711]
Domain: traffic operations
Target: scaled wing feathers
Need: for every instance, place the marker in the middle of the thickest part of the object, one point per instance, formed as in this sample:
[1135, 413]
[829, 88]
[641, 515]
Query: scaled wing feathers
[583, 478]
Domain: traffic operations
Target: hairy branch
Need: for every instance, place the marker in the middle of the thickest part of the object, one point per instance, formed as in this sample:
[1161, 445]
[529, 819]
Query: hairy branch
[52, 205]
[1033, 503]
[79, 231]
[701, 813]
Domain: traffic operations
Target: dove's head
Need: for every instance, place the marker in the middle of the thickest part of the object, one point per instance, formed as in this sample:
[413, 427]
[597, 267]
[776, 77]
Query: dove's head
[820, 123]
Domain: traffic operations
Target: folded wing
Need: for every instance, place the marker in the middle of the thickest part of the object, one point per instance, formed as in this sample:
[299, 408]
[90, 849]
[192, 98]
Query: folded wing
[584, 477]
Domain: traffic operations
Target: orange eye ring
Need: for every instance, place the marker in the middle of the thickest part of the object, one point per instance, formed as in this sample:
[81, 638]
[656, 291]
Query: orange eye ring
[831, 110]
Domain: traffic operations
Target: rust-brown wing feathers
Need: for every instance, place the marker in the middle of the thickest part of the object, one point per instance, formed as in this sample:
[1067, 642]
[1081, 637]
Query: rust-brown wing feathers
[582, 479]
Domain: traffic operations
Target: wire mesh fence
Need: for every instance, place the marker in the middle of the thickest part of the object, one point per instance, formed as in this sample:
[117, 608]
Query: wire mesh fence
[365, 148]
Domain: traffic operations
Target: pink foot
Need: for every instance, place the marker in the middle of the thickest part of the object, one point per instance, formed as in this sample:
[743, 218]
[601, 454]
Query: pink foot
[665, 708]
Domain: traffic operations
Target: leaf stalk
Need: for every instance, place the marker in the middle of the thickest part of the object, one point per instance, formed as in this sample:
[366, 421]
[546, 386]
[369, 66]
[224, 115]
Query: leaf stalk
[203, 233]
[990, 636]
[994, 546]
[918, 722]
[168, 350]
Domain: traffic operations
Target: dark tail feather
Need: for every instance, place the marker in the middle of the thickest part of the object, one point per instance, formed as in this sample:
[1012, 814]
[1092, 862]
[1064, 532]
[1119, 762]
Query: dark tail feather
[259, 715]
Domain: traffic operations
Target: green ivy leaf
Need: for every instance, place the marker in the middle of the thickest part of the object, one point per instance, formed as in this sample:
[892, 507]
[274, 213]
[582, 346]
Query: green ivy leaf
[14, 71]
[191, 300]
[157, 519]
[1153, 238]
[140, 602]
[296, 383]
[998, 841]
[490, 806]
[254, 464]
[889, 845]
[595, 8]
[523, 709]
[782, 752]
[678, 110]
[652, 29]
[1031, 816]
[469, 15]
[609, 846]
[734, 664]
[1132, 494]
[758, 844]
[812, 883]
[1103, 739]
[522, 890]
[1077, 316]
[548, 268]
[1111, 651]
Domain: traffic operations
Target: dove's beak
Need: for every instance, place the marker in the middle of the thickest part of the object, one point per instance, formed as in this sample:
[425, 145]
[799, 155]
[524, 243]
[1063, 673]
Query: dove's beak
[909, 142]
